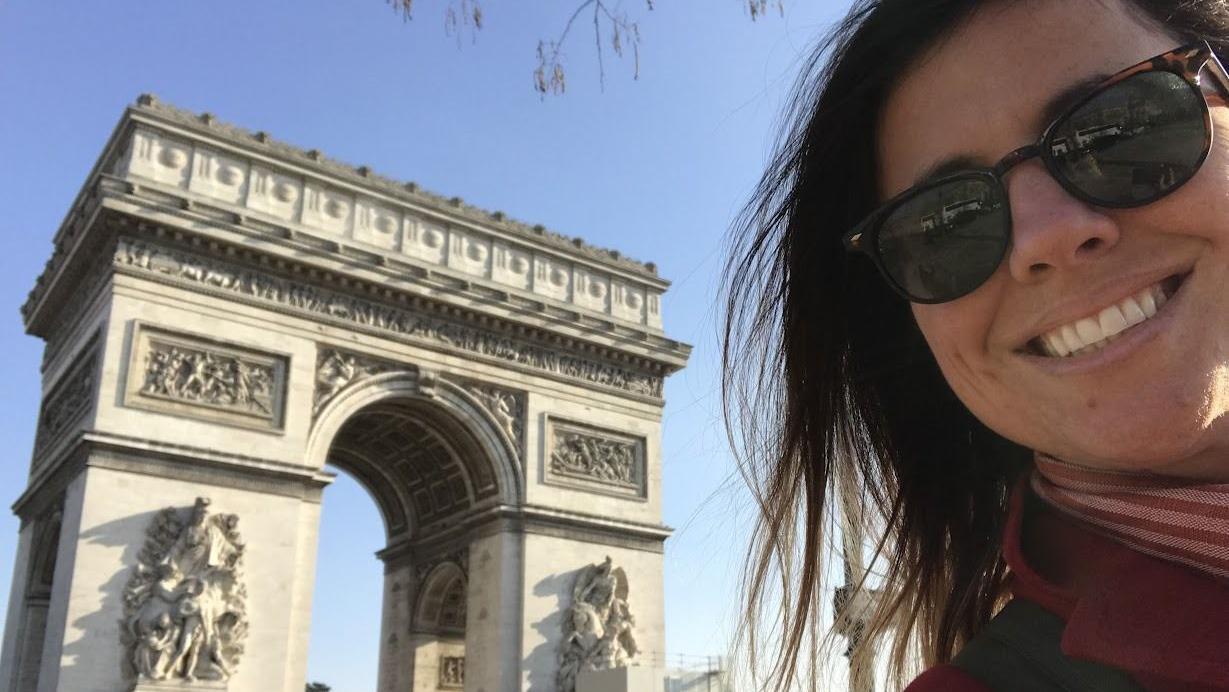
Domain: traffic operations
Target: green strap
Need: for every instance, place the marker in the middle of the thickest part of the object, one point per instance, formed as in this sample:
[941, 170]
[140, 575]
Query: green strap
[1018, 651]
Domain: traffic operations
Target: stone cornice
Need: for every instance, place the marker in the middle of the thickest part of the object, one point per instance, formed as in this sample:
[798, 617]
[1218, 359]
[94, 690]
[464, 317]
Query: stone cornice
[149, 108]
[117, 207]
[535, 519]
[131, 452]
[160, 158]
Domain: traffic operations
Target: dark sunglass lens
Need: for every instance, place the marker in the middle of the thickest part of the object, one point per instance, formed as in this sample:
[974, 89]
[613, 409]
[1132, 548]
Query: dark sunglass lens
[1133, 142]
[946, 240]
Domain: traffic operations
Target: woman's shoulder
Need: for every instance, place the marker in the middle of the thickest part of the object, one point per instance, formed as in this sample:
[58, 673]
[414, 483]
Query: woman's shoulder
[946, 678]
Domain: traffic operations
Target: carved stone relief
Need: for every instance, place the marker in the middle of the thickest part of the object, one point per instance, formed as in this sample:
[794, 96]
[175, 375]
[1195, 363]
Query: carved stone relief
[69, 400]
[458, 557]
[69, 315]
[187, 268]
[452, 672]
[336, 370]
[506, 406]
[195, 376]
[442, 602]
[854, 608]
[597, 627]
[185, 615]
[595, 459]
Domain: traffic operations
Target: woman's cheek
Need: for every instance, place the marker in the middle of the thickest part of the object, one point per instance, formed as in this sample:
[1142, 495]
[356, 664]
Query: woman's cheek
[957, 334]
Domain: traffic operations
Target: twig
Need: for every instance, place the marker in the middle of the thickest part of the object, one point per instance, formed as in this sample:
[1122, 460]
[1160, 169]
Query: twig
[549, 77]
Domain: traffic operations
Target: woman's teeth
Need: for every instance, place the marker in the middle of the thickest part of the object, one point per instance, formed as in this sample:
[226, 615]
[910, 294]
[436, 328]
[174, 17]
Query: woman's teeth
[1094, 332]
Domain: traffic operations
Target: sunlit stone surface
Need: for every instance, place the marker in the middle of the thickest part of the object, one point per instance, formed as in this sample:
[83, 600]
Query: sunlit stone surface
[224, 315]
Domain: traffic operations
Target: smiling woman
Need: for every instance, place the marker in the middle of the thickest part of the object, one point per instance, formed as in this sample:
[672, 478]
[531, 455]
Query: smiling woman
[982, 288]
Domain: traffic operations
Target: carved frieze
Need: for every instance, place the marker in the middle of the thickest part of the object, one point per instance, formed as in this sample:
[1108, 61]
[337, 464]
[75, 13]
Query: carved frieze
[181, 267]
[185, 611]
[595, 459]
[336, 370]
[597, 627]
[194, 376]
[70, 315]
[69, 400]
[452, 672]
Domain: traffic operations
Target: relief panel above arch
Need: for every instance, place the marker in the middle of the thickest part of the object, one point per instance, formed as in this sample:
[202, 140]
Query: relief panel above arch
[190, 375]
[338, 370]
[595, 459]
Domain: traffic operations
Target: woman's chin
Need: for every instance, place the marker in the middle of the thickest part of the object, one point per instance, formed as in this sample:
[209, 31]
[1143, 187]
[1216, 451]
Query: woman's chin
[1173, 446]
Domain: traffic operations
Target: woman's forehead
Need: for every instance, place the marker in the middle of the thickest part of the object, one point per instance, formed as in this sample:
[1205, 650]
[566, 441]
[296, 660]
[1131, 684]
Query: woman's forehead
[990, 86]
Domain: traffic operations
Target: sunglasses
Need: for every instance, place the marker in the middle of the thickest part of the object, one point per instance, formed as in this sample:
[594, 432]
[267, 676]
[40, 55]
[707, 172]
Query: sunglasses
[1137, 137]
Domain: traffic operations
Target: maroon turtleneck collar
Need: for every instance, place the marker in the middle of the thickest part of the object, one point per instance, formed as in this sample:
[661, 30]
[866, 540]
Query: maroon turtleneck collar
[1166, 624]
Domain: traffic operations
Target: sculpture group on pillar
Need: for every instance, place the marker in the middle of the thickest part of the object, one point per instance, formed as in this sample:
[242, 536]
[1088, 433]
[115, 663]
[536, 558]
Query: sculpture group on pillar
[597, 628]
[184, 605]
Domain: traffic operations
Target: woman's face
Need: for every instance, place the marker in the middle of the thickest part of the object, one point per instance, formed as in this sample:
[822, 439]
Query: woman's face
[1153, 399]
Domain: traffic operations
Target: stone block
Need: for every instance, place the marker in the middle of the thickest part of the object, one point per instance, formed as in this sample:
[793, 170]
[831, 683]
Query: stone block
[633, 679]
[180, 686]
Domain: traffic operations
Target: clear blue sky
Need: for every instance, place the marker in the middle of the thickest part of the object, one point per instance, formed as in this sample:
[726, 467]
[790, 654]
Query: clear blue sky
[655, 168]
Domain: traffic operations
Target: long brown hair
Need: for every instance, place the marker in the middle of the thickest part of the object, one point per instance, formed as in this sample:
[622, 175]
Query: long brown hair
[827, 376]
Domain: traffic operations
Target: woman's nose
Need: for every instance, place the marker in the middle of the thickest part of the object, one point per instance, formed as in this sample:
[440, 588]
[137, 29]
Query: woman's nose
[1052, 230]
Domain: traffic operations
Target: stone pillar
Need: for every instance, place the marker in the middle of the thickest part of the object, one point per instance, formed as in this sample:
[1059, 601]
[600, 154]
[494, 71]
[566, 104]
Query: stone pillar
[430, 652]
[38, 566]
[12, 655]
[396, 647]
[58, 608]
[493, 625]
[108, 515]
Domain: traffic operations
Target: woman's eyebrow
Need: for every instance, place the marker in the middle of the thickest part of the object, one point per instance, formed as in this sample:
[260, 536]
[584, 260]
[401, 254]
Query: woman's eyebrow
[1054, 107]
[952, 164]
[1068, 97]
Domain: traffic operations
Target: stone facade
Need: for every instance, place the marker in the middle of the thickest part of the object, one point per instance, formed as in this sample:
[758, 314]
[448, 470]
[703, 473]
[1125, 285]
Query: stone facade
[224, 316]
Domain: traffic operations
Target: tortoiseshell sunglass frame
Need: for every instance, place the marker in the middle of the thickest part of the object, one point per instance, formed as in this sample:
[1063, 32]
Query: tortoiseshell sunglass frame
[1188, 62]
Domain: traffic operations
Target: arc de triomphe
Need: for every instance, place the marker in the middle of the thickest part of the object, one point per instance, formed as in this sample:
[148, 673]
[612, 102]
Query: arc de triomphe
[224, 315]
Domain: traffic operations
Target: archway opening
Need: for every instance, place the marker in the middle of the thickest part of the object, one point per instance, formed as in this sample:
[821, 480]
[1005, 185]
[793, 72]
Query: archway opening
[427, 474]
[349, 589]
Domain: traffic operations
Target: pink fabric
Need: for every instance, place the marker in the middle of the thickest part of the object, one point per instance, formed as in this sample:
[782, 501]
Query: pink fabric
[1173, 519]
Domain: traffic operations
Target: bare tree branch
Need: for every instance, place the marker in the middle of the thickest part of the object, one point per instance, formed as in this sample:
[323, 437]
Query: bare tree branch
[404, 8]
[549, 76]
[757, 8]
[460, 15]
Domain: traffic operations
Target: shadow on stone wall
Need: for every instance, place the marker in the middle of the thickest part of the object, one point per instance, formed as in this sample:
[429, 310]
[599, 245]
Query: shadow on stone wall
[543, 662]
[99, 649]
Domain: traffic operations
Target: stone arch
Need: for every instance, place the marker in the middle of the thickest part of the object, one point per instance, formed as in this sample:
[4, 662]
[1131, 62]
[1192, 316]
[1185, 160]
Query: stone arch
[441, 607]
[433, 457]
[444, 406]
[380, 486]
